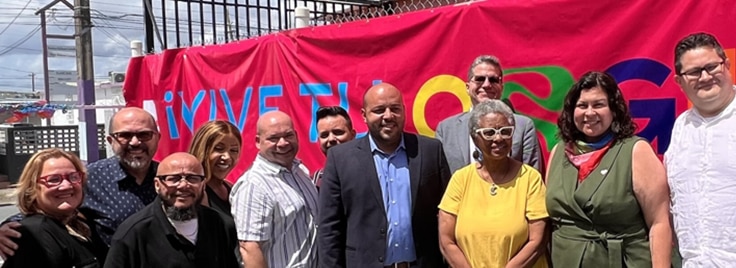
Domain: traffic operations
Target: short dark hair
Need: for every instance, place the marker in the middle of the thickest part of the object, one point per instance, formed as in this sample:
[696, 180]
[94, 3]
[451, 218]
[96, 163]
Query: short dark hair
[485, 59]
[622, 125]
[694, 41]
[326, 111]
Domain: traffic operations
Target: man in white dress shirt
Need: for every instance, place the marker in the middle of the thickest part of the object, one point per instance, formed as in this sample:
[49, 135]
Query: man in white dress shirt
[701, 158]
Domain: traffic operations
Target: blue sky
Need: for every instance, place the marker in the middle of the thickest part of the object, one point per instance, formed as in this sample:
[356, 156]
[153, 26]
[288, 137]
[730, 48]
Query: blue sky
[116, 23]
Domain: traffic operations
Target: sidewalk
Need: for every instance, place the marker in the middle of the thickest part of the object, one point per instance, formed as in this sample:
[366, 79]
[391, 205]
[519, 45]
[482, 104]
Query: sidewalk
[7, 196]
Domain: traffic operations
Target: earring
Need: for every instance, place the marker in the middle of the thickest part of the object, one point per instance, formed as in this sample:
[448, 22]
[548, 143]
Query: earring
[477, 155]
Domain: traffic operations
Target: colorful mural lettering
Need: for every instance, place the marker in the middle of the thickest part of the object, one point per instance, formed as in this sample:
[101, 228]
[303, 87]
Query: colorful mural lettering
[426, 54]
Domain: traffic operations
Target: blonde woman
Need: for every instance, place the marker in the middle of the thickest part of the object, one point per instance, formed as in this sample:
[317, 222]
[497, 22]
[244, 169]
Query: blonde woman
[217, 145]
[52, 233]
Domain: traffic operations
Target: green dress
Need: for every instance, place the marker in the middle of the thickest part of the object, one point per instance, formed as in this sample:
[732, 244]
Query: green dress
[597, 223]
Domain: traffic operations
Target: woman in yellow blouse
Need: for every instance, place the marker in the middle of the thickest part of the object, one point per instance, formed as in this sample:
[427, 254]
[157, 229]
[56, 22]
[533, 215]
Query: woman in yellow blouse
[493, 212]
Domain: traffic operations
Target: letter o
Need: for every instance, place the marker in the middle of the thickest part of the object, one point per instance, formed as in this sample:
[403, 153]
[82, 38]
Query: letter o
[441, 83]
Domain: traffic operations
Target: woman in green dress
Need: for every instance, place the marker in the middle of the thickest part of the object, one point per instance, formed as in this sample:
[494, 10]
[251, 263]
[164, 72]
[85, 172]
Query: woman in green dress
[607, 192]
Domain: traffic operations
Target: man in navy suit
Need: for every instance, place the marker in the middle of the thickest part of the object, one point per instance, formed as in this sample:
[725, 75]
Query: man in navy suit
[485, 82]
[379, 195]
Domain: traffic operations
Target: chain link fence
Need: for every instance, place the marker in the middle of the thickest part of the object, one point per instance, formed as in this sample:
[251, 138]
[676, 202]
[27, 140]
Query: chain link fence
[184, 23]
[386, 8]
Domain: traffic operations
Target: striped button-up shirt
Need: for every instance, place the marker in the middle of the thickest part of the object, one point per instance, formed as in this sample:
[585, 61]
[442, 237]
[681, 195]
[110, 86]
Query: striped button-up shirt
[277, 207]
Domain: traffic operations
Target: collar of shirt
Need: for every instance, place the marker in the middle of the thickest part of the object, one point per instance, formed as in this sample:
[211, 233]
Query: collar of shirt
[116, 170]
[374, 147]
[167, 226]
[695, 116]
[276, 168]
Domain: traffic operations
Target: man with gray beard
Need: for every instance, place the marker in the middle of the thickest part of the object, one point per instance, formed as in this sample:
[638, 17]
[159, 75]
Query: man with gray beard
[123, 184]
[175, 230]
[117, 186]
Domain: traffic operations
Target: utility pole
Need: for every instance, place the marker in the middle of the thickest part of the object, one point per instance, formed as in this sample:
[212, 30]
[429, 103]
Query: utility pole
[88, 150]
[33, 81]
[45, 36]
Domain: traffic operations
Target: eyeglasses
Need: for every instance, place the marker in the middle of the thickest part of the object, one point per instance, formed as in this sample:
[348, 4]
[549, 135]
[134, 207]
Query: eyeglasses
[711, 69]
[125, 136]
[489, 133]
[480, 79]
[54, 180]
[175, 179]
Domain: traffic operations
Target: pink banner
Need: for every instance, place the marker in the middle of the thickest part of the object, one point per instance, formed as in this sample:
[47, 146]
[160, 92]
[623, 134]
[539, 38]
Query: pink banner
[543, 45]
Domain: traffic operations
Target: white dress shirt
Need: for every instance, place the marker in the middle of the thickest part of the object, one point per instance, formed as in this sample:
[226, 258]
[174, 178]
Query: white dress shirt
[701, 170]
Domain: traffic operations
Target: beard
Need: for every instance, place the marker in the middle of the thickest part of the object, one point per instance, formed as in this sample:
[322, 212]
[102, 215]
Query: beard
[132, 162]
[179, 214]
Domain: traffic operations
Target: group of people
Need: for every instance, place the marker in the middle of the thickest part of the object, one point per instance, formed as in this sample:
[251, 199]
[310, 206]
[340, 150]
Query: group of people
[479, 194]
[128, 210]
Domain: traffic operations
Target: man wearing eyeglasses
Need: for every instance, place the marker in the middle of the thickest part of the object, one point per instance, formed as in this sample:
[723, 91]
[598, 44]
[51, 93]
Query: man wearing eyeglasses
[175, 230]
[485, 82]
[274, 203]
[118, 186]
[700, 161]
[123, 184]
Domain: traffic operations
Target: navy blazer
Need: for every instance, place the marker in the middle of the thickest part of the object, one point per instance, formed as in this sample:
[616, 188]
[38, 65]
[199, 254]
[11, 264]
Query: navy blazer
[352, 219]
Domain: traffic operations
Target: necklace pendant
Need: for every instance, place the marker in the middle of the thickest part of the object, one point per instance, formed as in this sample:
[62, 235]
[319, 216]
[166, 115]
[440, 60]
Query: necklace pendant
[494, 189]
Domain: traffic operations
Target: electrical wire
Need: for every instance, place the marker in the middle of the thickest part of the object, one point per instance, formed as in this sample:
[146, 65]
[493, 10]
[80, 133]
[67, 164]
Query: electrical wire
[20, 41]
[15, 18]
[13, 69]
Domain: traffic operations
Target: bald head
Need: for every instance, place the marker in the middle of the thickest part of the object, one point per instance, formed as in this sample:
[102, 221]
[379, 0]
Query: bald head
[383, 112]
[128, 114]
[178, 162]
[381, 89]
[134, 138]
[272, 118]
[180, 184]
[276, 139]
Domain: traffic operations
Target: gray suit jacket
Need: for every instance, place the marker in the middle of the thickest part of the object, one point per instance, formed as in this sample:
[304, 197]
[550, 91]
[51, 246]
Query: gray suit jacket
[455, 137]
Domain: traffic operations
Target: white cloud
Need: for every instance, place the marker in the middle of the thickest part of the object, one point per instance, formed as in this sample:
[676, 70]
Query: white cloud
[116, 22]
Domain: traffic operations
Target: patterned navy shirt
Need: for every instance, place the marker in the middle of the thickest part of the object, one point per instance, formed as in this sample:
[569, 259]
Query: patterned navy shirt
[114, 195]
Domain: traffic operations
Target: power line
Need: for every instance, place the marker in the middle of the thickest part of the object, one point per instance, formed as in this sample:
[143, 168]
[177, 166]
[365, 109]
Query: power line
[112, 37]
[117, 5]
[21, 41]
[16, 17]
[12, 69]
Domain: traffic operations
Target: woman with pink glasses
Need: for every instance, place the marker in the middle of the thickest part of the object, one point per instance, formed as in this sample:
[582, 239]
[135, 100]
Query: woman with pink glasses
[53, 233]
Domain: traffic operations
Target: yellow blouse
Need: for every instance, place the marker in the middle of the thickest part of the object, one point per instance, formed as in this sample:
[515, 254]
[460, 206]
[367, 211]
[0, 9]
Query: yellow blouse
[491, 229]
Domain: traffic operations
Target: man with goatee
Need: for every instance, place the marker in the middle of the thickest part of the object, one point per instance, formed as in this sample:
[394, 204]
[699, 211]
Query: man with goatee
[175, 230]
[379, 195]
[118, 186]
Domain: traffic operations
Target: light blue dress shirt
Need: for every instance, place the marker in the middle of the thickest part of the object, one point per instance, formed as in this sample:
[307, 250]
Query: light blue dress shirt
[393, 175]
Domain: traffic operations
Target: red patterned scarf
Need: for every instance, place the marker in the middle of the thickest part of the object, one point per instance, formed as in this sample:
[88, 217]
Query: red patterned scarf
[587, 156]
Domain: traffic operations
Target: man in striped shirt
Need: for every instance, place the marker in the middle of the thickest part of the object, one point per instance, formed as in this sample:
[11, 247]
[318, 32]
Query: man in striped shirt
[274, 204]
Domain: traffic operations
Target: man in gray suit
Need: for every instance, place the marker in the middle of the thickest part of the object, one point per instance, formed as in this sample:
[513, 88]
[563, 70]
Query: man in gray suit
[485, 82]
